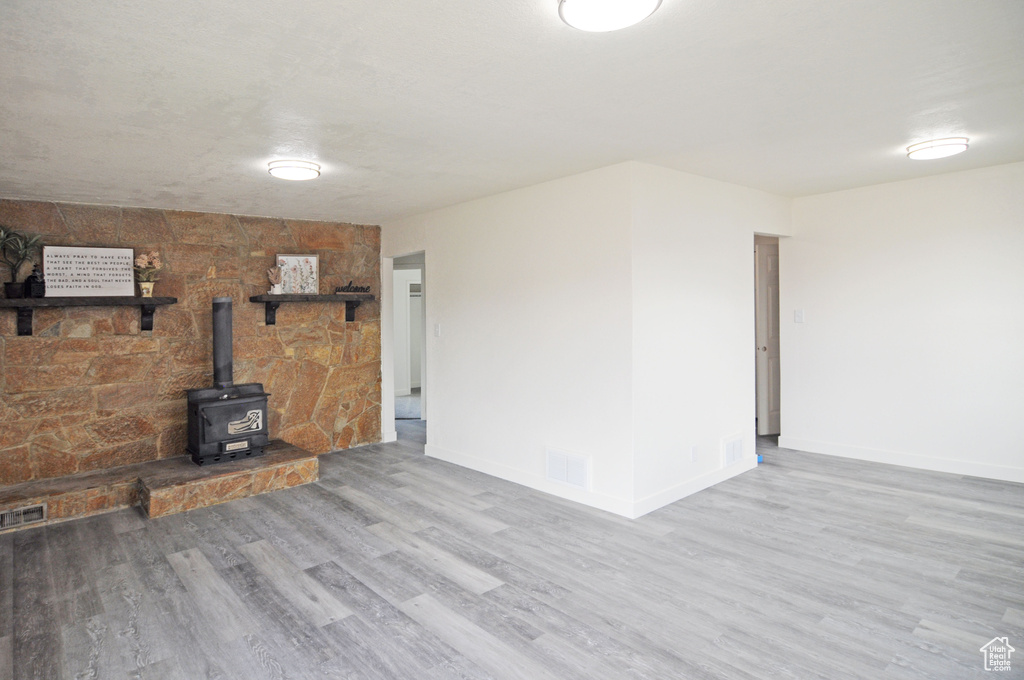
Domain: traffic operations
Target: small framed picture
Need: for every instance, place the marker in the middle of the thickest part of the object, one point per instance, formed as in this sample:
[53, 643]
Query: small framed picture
[300, 274]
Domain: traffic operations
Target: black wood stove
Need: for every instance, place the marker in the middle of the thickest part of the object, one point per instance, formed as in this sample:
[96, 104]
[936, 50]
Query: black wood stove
[226, 421]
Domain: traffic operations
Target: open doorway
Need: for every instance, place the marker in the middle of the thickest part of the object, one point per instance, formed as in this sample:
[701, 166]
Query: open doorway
[409, 341]
[766, 323]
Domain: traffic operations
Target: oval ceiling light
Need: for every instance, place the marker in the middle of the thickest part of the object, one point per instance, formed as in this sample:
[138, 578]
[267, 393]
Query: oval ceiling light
[598, 16]
[294, 170]
[937, 148]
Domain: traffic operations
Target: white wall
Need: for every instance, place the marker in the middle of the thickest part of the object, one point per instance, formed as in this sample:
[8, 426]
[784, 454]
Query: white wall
[910, 353]
[531, 289]
[912, 350]
[642, 273]
[693, 327]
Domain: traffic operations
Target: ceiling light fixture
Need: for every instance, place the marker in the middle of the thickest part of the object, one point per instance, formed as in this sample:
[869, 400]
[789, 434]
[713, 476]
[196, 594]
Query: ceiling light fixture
[598, 16]
[937, 148]
[294, 170]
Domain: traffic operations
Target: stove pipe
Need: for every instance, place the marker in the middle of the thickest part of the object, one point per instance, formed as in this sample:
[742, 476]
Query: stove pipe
[223, 369]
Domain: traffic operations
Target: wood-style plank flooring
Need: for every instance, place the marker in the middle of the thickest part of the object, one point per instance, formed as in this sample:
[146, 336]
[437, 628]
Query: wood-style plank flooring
[399, 566]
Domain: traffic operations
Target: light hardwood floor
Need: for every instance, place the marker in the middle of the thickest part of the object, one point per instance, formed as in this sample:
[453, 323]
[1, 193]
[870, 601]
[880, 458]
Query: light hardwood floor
[399, 566]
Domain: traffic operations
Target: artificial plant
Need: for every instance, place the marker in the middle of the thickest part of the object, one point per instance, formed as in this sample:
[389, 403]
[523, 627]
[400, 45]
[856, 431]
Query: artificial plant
[16, 250]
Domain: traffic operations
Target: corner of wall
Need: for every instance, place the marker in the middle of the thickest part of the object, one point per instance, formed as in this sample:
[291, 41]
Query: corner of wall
[689, 487]
[619, 506]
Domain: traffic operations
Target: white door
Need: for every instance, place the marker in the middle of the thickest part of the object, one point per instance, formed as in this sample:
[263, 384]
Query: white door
[403, 279]
[415, 334]
[766, 257]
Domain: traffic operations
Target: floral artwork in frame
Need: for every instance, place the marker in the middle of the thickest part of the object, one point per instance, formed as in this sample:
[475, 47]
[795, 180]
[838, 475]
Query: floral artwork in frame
[299, 274]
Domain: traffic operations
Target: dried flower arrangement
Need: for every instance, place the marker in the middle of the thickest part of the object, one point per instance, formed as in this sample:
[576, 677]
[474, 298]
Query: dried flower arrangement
[147, 265]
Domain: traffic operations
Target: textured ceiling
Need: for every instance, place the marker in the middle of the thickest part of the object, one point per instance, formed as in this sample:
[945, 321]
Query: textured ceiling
[416, 104]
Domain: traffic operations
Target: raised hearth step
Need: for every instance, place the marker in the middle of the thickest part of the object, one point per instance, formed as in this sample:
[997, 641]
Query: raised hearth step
[186, 486]
[164, 487]
[81, 495]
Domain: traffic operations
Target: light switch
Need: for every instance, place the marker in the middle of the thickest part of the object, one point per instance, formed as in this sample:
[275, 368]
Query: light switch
[437, 330]
[798, 316]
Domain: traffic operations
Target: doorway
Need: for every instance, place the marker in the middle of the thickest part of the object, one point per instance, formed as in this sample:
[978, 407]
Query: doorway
[766, 324]
[409, 346]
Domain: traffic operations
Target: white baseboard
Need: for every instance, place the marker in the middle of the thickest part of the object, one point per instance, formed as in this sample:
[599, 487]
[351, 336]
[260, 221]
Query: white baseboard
[618, 506]
[391, 436]
[912, 460]
[692, 486]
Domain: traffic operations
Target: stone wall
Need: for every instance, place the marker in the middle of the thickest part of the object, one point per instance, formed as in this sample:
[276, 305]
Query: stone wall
[90, 391]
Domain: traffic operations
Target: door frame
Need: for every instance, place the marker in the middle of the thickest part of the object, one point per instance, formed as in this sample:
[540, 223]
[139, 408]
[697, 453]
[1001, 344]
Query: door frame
[406, 335]
[766, 317]
[387, 345]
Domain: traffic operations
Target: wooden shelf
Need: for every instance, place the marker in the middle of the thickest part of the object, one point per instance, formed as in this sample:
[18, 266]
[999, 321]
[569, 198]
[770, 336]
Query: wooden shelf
[25, 307]
[351, 300]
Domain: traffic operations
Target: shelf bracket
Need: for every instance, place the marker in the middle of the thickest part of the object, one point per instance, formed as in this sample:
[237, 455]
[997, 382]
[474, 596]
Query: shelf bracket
[350, 309]
[24, 321]
[146, 321]
[271, 312]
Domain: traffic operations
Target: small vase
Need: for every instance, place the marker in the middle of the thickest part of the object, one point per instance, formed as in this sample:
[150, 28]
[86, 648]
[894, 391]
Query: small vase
[276, 289]
[146, 288]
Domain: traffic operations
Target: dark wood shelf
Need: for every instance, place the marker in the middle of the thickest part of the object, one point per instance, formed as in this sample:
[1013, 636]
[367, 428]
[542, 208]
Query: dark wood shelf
[351, 300]
[25, 307]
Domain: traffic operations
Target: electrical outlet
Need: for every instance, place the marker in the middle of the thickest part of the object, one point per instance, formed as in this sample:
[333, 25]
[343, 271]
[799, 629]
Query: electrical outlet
[437, 330]
[693, 454]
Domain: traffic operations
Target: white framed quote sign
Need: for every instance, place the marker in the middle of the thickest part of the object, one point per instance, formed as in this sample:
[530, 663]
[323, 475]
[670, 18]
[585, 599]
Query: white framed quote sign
[72, 271]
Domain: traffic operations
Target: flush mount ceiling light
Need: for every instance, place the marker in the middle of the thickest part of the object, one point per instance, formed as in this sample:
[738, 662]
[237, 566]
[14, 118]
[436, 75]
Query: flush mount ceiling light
[937, 148]
[598, 16]
[294, 170]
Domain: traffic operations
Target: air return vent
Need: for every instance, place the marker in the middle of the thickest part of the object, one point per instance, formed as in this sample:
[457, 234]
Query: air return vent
[30, 514]
[568, 469]
[732, 451]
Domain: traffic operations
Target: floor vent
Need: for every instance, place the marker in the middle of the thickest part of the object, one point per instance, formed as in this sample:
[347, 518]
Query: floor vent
[732, 451]
[22, 516]
[568, 469]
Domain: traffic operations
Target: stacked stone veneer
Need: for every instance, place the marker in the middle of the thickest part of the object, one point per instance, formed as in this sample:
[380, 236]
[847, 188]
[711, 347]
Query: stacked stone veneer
[89, 391]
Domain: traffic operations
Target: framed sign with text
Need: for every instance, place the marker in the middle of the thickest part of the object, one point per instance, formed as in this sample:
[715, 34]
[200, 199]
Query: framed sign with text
[72, 271]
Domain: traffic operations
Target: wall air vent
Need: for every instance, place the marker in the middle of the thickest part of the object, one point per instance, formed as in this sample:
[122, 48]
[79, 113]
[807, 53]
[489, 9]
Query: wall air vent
[30, 514]
[732, 451]
[568, 468]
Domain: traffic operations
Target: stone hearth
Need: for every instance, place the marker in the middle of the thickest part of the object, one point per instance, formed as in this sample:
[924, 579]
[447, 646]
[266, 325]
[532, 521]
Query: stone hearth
[164, 487]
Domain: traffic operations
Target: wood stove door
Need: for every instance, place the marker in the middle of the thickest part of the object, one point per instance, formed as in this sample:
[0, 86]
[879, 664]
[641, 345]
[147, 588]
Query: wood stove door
[234, 419]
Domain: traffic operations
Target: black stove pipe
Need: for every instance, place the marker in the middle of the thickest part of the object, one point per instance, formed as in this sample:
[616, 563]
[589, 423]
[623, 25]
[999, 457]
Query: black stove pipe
[223, 368]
